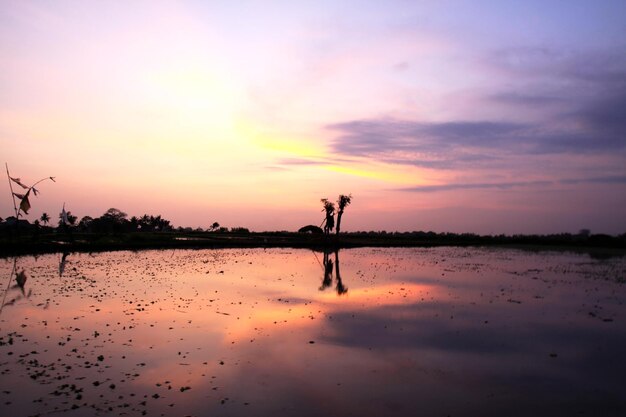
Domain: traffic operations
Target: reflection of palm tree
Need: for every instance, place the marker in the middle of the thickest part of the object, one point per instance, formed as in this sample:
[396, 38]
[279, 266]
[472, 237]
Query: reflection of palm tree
[328, 273]
[340, 288]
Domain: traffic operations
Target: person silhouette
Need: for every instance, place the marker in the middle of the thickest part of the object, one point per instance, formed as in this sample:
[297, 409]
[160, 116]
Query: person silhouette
[328, 271]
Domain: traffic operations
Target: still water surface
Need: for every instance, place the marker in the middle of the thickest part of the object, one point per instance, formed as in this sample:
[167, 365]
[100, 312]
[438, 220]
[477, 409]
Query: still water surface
[363, 332]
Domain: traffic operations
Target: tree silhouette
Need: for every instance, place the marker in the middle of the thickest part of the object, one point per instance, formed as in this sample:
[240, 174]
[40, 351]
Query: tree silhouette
[215, 226]
[45, 219]
[151, 223]
[117, 221]
[161, 224]
[133, 223]
[112, 221]
[329, 221]
[342, 202]
[85, 223]
[115, 214]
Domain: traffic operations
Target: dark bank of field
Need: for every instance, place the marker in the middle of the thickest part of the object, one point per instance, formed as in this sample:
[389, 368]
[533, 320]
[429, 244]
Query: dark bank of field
[51, 242]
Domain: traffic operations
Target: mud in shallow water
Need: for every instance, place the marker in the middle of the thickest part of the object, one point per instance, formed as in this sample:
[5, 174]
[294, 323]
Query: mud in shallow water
[363, 332]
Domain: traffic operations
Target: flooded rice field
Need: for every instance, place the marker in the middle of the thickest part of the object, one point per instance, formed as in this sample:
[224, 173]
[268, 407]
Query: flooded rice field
[362, 332]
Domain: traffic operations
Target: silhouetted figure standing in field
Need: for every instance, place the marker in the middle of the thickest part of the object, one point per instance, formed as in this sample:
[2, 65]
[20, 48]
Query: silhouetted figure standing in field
[329, 221]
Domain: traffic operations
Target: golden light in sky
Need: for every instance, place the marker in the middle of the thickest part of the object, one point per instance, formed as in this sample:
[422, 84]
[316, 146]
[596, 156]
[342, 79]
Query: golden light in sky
[210, 112]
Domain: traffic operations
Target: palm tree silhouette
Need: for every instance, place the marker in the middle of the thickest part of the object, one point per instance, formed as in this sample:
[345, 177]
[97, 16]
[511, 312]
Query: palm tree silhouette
[342, 202]
[45, 219]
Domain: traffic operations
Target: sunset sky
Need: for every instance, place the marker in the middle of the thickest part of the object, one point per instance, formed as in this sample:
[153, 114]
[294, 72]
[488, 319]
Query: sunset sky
[462, 116]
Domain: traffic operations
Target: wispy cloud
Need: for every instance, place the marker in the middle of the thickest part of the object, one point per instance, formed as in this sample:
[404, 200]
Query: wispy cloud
[473, 186]
[526, 99]
[597, 66]
[301, 161]
[512, 184]
[612, 179]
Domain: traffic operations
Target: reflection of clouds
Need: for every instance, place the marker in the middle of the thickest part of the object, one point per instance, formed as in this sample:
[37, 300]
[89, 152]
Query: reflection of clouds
[274, 318]
[367, 361]
[508, 353]
[289, 315]
[424, 325]
[409, 341]
[381, 295]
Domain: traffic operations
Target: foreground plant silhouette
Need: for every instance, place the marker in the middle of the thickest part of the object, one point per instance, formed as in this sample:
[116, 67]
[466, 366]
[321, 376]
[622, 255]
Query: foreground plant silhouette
[23, 198]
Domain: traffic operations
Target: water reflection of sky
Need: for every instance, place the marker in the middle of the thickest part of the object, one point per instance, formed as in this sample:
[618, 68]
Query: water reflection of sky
[230, 332]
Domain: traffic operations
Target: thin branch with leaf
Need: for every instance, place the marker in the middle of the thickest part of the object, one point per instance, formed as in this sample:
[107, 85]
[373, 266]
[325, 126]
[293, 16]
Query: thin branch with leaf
[22, 198]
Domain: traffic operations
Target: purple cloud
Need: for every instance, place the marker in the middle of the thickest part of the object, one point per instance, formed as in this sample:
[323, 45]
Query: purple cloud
[617, 179]
[585, 92]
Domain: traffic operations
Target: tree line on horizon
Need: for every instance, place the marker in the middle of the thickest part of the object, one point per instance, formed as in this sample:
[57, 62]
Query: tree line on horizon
[117, 221]
[112, 221]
